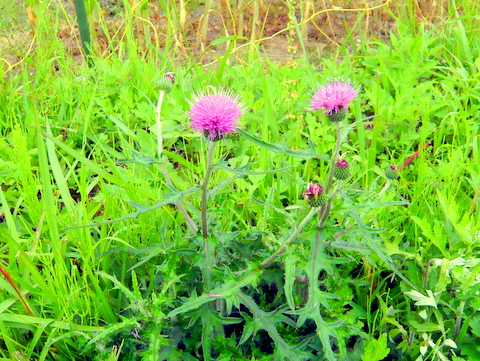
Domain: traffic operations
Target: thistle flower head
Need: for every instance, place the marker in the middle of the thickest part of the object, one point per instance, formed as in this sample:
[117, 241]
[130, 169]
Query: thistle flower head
[314, 195]
[215, 114]
[334, 98]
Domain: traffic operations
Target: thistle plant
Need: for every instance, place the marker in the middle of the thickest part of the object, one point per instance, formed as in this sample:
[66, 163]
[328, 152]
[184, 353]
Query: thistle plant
[214, 115]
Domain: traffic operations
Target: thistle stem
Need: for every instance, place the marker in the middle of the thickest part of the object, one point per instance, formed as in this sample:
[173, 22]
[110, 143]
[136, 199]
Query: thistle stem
[335, 155]
[292, 237]
[208, 173]
[325, 210]
[204, 208]
[384, 189]
[158, 122]
[191, 224]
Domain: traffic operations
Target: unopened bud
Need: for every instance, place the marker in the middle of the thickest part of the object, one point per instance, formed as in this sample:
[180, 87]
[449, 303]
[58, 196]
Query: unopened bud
[392, 173]
[341, 170]
[165, 83]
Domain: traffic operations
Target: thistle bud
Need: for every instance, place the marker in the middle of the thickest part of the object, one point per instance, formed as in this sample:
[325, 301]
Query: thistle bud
[166, 81]
[171, 76]
[392, 173]
[314, 195]
[341, 170]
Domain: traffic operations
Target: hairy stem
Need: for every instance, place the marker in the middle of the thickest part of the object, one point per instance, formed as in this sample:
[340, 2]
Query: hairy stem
[334, 155]
[384, 189]
[158, 122]
[325, 210]
[204, 208]
[292, 237]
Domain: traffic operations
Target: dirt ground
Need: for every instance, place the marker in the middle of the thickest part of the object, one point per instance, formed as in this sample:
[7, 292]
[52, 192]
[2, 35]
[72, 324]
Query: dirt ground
[322, 35]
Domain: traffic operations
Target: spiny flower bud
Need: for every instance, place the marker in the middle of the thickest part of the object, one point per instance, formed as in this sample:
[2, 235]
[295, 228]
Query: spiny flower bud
[314, 195]
[166, 81]
[337, 116]
[392, 173]
[341, 170]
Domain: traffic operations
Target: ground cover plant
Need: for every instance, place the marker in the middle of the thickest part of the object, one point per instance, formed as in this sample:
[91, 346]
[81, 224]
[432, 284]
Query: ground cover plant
[162, 207]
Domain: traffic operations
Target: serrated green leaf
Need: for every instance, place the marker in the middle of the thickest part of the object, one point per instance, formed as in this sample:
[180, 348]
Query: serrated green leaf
[422, 300]
[171, 198]
[376, 349]
[268, 321]
[425, 326]
[290, 263]
[242, 170]
[282, 148]
[145, 160]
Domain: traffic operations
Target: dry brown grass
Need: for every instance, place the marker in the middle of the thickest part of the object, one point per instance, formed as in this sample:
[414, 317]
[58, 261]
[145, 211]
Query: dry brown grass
[270, 25]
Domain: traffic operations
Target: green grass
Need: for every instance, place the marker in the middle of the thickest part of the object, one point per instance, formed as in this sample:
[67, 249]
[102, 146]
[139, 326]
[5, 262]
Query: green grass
[84, 277]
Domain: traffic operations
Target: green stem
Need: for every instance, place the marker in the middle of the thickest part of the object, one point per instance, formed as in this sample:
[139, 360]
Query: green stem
[458, 322]
[325, 210]
[168, 180]
[204, 209]
[82, 20]
[335, 155]
[292, 237]
[384, 189]
[158, 122]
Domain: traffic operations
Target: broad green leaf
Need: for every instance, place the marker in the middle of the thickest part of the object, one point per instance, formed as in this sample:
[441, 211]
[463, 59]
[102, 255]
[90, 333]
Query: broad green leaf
[376, 350]
[425, 326]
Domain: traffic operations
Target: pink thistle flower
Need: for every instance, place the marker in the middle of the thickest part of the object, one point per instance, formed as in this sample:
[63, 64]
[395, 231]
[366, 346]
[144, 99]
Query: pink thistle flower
[215, 114]
[315, 189]
[334, 97]
[314, 195]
